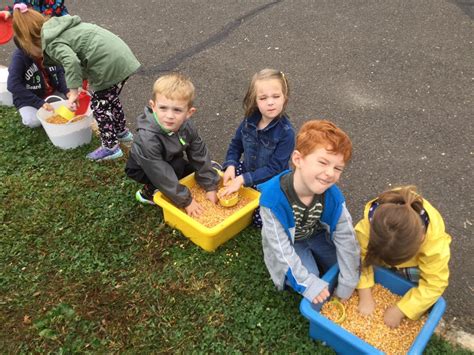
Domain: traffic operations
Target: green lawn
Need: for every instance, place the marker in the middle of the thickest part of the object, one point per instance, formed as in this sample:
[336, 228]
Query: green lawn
[84, 268]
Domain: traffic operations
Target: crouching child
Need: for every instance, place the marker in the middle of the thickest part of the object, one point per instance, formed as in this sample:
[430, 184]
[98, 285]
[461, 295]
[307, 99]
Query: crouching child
[306, 225]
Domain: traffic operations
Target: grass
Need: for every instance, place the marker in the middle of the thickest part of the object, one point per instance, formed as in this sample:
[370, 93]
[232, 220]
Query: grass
[84, 268]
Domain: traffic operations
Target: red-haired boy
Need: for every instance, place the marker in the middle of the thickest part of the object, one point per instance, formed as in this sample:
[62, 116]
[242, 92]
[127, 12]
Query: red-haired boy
[306, 226]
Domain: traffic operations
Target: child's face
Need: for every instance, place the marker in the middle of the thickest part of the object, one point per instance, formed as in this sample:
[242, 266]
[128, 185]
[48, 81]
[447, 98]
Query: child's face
[171, 113]
[317, 172]
[270, 98]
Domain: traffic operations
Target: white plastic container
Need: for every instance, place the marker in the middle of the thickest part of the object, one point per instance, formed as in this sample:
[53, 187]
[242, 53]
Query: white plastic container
[6, 97]
[68, 135]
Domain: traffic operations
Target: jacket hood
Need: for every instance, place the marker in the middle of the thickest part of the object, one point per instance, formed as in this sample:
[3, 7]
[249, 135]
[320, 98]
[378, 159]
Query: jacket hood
[55, 26]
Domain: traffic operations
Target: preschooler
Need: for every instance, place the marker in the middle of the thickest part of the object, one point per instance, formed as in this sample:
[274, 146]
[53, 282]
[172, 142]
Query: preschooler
[306, 225]
[86, 51]
[164, 134]
[403, 231]
[265, 138]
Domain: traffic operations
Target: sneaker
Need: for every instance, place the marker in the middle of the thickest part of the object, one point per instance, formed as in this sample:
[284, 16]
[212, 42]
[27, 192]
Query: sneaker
[125, 136]
[145, 196]
[103, 153]
[216, 165]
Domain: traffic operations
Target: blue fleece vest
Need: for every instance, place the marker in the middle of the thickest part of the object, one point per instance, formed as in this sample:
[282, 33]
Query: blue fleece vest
[273, 197]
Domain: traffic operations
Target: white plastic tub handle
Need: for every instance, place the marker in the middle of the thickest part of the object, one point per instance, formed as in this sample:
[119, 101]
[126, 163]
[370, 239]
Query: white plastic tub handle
[59, 98]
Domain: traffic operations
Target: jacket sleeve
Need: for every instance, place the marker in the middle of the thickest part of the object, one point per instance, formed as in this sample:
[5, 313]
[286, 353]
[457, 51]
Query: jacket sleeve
[160, 172]
[367, 273]
[282, 261]
[16, 83]
[278, 161]
[434, 274]
[348, 255]
[65, 56]
[198, 156]
[235, 150]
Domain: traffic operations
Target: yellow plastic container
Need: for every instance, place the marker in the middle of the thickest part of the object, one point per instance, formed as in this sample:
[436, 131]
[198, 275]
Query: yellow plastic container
[208, 238]
[64, 112]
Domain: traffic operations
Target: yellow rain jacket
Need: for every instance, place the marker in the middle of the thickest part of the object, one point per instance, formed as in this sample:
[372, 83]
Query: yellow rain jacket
[432, 260]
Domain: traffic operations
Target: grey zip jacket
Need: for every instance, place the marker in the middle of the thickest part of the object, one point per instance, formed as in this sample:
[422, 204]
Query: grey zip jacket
[153, 149]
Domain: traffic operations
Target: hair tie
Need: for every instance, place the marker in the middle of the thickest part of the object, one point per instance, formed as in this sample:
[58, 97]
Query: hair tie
[282, 75]
[20, 6]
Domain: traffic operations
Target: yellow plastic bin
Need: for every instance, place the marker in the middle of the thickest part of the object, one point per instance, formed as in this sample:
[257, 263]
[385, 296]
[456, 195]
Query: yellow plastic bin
[208, 238]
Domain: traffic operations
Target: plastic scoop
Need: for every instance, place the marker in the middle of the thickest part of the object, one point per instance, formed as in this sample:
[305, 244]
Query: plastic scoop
[65, 113]
[228, 200]
[341, 309]
[83, 101]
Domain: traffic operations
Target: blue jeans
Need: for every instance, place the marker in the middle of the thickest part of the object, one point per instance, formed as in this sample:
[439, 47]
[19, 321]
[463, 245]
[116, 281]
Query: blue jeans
[317, 253]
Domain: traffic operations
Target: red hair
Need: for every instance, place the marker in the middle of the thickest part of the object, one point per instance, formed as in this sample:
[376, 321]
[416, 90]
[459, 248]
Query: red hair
[323, 134]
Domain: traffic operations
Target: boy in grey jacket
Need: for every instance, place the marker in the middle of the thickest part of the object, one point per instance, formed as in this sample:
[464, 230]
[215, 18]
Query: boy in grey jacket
[306, 226]
[164, 134]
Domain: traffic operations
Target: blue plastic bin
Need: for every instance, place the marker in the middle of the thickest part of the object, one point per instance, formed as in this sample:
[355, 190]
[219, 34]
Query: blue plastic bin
[343, 342]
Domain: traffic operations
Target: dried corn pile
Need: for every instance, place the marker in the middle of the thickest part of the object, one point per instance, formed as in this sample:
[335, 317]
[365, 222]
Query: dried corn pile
[57, 119]
[372, 329]
[214, 213]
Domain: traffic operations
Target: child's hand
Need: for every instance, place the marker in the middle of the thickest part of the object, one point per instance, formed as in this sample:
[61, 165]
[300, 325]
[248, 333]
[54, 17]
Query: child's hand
[194, 209]
[72, 96]
[47, 107]
[366, 301]
[212, 196]
[322, 296]
[229, 174]
[233, 185]
[393, 316]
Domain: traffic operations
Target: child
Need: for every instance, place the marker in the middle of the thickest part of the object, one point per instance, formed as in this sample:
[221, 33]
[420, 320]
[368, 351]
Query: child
[164, 133]
[403, 231]
[306, 225]
[86, 51]
[46, 7]
[265, 138]
[30, 82]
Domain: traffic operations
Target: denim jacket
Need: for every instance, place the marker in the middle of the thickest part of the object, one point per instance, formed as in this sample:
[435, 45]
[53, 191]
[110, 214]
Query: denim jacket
[266, 152]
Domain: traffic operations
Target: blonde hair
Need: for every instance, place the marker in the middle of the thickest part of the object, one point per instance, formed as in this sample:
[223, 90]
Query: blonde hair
[396, 229]
[175, 86]
[27, 28]
[250, 99]
[323, 134]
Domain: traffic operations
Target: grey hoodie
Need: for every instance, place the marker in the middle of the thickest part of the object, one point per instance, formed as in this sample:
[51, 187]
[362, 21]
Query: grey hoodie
[153, 149]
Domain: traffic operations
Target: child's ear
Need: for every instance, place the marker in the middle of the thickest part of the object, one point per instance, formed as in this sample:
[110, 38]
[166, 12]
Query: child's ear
[191, 112]
[296, 158]
[151, 103]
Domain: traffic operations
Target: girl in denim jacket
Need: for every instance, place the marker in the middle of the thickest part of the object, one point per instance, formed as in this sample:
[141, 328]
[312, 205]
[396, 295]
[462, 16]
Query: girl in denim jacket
[264, 141]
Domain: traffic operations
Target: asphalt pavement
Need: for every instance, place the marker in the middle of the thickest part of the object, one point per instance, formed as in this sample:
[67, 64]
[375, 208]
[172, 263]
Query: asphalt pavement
[397, 76]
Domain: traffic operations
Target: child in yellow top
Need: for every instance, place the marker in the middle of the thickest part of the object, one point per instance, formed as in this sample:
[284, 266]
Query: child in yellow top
[403, 231]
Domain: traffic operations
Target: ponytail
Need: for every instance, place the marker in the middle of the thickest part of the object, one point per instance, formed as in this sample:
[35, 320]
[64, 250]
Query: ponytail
[27, 25]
